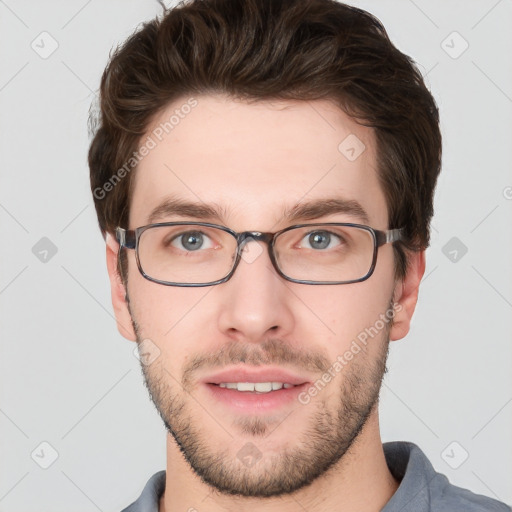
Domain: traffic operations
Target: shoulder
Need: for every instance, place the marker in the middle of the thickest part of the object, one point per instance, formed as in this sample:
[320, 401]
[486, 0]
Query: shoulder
[150, 496]
[423, 489]
[446, 497]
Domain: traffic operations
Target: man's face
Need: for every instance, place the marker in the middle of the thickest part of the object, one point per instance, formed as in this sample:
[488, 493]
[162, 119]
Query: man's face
[253, 162]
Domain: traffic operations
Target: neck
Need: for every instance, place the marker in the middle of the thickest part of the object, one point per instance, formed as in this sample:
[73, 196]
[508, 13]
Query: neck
[361, 480]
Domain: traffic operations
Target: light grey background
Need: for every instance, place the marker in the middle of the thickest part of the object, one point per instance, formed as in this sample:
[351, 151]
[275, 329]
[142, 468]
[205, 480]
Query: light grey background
[70, 380]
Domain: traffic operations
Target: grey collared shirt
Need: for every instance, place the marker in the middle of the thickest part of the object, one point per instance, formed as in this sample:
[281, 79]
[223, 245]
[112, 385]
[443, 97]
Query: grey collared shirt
[421, 488]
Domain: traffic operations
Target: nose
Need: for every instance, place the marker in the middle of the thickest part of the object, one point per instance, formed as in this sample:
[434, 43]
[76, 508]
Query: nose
[256, 302]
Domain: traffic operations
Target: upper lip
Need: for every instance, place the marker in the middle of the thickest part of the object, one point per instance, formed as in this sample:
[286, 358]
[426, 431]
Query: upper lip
[246, 374]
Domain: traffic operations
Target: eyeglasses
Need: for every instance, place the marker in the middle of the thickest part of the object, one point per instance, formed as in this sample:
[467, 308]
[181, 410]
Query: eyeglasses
[203, 254]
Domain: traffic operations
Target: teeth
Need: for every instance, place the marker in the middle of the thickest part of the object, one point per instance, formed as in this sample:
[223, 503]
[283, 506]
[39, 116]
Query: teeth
[260, 387]
[263, 387]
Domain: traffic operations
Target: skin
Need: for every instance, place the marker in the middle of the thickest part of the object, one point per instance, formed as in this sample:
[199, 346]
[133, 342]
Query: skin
[253, 159]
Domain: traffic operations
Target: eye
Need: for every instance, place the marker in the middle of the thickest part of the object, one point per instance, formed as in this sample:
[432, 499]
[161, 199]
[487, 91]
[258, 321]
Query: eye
[192, 241]
[321, 240]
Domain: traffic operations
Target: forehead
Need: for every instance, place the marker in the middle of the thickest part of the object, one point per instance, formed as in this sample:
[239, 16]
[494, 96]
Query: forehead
[255, 160]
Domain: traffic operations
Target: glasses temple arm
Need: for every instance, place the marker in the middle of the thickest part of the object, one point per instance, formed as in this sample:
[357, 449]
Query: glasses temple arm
[125, 238]
[389, 236]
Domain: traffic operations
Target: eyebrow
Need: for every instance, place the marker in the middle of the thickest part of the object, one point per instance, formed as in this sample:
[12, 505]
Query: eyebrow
[311, 210]
[323, 207]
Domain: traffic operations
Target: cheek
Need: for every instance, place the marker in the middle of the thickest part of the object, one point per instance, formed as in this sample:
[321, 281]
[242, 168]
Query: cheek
[166, 312]
[174, 321]
[335, 316]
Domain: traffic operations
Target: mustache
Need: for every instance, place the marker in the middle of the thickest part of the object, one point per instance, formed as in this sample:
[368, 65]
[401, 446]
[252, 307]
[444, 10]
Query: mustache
[270, 352]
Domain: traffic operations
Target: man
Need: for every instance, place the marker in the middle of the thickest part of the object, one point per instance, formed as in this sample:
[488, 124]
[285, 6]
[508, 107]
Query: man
[263, 172]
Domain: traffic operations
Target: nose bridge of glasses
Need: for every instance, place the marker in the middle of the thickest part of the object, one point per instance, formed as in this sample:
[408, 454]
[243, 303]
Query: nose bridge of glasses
[253, 236]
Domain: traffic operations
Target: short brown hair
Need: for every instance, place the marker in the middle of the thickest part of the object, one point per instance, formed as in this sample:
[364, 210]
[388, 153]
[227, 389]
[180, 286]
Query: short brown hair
[273, 50]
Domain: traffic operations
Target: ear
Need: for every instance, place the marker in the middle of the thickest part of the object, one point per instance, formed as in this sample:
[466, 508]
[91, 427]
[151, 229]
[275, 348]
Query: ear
[118, 291]
[406, 296]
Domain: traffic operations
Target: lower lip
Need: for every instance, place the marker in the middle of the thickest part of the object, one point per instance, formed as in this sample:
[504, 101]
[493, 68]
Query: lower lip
[253, 402]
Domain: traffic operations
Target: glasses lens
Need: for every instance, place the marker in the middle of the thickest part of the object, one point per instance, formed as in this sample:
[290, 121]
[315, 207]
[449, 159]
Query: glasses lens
[186, 254]
[324, 253]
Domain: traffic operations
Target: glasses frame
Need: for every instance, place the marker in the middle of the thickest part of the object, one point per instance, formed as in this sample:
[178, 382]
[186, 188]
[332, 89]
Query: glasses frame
[129, 239]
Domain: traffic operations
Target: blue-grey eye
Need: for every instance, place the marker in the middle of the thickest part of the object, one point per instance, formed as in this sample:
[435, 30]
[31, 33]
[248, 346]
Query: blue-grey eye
[321, 240]
[192, 241]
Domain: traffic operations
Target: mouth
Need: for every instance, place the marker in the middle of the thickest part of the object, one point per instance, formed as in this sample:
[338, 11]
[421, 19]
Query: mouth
[257, 387]
[246, 390]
